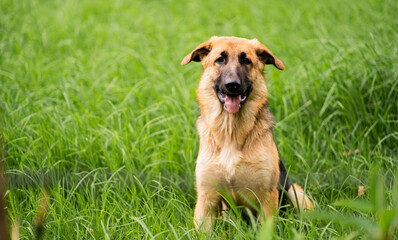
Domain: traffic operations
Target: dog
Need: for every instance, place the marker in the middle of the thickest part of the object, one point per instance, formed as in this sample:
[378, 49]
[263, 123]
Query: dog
[237, 154]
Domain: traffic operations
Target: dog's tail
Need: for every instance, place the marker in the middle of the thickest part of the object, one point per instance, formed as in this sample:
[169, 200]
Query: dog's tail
[295, 193]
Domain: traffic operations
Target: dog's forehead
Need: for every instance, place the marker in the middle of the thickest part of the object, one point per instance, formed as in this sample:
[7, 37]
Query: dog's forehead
[233, 45]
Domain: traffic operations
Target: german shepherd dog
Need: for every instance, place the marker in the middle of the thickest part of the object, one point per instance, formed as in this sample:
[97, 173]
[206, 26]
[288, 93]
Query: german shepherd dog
[237, 154]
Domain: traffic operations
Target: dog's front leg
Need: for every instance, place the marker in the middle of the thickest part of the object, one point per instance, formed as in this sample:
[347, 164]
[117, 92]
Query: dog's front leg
[207, 210]
[270, 203]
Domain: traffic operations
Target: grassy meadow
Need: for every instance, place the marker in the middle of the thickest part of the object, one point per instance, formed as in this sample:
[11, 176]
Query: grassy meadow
[95, 106]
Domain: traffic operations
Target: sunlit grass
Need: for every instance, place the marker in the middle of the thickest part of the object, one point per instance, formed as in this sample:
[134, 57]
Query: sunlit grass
[95, 105]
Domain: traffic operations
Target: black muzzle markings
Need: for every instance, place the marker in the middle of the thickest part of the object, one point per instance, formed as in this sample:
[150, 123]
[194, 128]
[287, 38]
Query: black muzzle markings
[233, 86]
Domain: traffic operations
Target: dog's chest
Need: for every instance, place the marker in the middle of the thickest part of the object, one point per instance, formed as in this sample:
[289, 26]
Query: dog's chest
[240, 171]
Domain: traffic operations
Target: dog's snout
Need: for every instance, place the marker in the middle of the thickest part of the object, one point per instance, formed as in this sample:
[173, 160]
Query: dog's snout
[232, 85]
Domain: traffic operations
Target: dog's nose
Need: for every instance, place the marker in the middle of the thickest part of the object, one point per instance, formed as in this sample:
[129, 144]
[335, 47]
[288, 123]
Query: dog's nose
[232, 85]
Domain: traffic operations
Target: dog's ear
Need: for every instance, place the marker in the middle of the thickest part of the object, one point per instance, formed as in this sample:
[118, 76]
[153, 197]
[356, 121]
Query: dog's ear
[266, 56]
[198, 53]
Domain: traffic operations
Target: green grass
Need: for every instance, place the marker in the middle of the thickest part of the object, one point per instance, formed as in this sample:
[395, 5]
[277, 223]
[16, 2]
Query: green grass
[95, 105]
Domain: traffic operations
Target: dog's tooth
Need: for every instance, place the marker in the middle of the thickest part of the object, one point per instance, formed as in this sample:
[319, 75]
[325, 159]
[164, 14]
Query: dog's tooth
[243, 98]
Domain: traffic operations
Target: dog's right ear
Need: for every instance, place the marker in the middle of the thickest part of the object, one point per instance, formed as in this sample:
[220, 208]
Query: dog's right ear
[198, 53]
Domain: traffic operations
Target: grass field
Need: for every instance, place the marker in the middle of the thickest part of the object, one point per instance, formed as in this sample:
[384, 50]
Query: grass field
[95, 105]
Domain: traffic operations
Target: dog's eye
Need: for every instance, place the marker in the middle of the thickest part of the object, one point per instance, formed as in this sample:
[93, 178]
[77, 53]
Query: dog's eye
[245, 61]
[220, 60]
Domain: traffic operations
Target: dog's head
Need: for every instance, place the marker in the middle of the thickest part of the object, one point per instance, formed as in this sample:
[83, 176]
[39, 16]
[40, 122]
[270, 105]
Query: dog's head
[233, 68]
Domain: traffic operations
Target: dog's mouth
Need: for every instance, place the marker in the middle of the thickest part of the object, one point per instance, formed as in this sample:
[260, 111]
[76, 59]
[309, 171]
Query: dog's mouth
[232, 103]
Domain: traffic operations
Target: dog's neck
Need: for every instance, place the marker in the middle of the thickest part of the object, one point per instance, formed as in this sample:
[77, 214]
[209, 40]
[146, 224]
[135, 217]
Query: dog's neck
[226, 129]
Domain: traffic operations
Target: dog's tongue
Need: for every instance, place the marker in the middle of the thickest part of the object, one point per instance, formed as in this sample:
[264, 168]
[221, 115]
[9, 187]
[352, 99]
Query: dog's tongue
[232, 103]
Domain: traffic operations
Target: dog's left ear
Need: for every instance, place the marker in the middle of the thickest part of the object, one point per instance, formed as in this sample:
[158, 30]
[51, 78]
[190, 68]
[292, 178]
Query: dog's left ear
[266, 56]
[198, 53]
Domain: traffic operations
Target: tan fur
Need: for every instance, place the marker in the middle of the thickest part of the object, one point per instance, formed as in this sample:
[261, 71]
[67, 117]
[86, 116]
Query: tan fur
[237, 154]
[299, 199]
